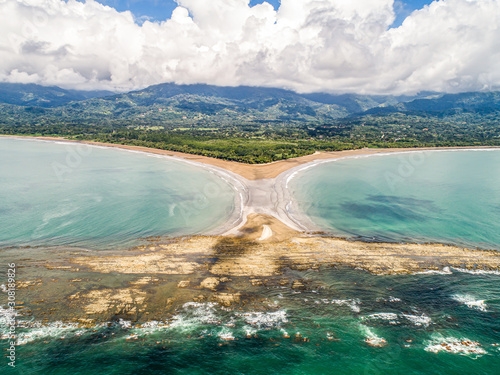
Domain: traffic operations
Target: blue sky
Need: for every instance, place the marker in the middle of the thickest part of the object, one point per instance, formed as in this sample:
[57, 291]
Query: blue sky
[159, 10]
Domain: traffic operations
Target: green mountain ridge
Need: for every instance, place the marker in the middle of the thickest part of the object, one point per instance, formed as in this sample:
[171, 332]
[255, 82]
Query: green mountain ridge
[43, 96]
[255, 124]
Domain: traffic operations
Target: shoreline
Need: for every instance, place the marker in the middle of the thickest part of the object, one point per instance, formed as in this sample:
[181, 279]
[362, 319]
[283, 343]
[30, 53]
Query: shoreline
[235, 181]
[290, 206]
[260, 188]
[262, 245]
[257, 171]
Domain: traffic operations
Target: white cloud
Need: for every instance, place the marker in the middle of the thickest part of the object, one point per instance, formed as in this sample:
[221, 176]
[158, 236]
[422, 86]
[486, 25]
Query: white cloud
[306, 45]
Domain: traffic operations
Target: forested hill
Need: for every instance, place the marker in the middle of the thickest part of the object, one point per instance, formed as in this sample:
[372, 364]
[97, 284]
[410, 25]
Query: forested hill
[447, 104]
[191, 104]
[251, 124]
[43, 96]
[205, 105]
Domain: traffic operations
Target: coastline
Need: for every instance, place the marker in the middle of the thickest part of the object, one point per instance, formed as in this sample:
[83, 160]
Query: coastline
[261, 188]
[256, 171]
[289, 206]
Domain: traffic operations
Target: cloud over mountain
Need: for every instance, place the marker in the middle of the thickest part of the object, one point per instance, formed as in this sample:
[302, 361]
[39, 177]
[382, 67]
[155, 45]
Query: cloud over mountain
[305, 45]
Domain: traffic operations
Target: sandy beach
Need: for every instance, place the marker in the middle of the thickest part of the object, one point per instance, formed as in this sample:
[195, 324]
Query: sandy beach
[256, 171]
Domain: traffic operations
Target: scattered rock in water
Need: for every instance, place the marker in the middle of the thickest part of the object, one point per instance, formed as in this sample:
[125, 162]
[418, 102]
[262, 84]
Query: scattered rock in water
[183, 284]
[210, 283]
[227, 299]
[297, 284]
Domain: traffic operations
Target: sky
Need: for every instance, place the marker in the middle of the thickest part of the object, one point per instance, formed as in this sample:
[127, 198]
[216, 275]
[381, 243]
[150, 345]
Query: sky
[335, 46]
[160, 10]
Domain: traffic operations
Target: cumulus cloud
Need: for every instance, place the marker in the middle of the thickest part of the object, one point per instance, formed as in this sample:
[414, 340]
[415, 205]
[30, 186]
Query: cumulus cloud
[305, 45]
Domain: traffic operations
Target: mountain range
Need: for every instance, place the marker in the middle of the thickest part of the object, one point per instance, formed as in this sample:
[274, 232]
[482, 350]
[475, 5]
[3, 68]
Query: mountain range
[171, 105]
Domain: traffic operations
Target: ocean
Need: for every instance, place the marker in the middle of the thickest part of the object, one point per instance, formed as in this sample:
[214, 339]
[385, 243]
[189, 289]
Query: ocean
[337, 320]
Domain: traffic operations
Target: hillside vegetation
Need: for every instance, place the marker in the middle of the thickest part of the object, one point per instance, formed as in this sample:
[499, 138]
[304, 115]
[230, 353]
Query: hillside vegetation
[250, 124]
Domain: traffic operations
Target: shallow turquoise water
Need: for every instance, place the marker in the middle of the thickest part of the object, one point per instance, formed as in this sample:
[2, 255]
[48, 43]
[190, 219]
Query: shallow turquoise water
[443, 196]
[68, 194]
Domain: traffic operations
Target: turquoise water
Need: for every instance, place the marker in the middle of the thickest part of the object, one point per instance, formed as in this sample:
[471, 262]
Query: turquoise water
[68, 194]
[444, 196]
[423, 320]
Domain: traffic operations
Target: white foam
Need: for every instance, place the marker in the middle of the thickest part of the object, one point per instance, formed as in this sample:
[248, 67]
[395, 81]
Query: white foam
[125, 324]
[391, 318]
[477, 272]
[444, 271]
[462, 346]
[285, 333]
[353, 304]
[371, 338]
[151, 327]
[389, 299]
[470, 301]
[265, 320]
[226, 335]
[418, 320]
[249, 331]
[52, 330]
[195, 314]
[7, 317]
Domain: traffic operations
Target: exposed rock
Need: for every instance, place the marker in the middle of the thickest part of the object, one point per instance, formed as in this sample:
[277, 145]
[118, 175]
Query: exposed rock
[210, 283]
[183, 284]
[227, 299]
[111, 301]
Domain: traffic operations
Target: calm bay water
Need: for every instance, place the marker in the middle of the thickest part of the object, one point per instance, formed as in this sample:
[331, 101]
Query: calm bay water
[69, 194]
[443, 196]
